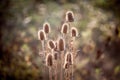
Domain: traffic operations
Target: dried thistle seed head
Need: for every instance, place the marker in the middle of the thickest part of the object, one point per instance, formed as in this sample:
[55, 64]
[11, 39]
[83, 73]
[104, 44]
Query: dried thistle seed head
[66, 65]
[51, 44]
[69, 58]
[41, 35]
[65, 28]
[49, 60]
[46, 27]
[69, 16]
[74, 32]
[61, 44]
[56, 56]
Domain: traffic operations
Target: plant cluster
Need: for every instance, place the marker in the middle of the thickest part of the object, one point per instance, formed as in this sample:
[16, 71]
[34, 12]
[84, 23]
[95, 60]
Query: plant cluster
[59, 54]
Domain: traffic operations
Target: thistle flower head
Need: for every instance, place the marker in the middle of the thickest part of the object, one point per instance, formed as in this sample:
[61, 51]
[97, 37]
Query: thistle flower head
[41, 35]
[69, 16]
[74, 32]
[51, 44]
[46, 27]
[65, 28]
[61, 44]
[49, 60]
[69, 58]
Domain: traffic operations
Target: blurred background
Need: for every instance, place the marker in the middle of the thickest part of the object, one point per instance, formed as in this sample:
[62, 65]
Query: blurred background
[98, 22]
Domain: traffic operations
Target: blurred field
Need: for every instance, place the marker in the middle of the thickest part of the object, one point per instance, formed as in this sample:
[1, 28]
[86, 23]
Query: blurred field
[99, 37]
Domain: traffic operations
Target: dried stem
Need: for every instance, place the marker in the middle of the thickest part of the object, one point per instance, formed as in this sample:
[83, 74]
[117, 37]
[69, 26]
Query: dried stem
[55, 70]
[62, 59]
[50, 73]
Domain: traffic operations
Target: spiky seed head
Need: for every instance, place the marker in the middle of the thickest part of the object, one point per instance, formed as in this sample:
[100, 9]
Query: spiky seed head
[66, 65]
[65, 28]
[49, 60]
[41, 35]
[46, 27]
[74, 32]
[61, 44]
[56, 55]
[69, 16]
[69, 58]
[51, 44]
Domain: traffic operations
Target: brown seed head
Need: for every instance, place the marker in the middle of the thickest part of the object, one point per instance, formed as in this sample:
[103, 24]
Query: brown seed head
[61, 44]
[55, 55]
[69, 58]
[65, 28]
[46, 27]
[66, 65]
[49, 60]
[51, 44]
[69, 16]
[41, 35]
[74, 32]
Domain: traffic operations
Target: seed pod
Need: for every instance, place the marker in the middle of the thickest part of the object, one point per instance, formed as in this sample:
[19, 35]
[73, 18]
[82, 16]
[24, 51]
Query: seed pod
[41, 35]
[66, 65]
[61, 44]
[55, 55]
[51, 44]
[65, 28]
[74, 32]
[69, 16]
[69, 58]
[49, 60]
[46, 27]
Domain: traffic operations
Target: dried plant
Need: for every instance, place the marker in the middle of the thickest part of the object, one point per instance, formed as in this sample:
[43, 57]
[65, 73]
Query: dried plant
[46, 27]
[69, 16]
[60, 53]
[74, 32]
[65, 28]
[49, 63]
[69, 58]
[41, 35]
[61, 44]
[49, 60]
[51, 44]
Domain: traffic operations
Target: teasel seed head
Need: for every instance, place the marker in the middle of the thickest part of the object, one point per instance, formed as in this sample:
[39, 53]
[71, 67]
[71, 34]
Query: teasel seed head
[61, 44]
[49, 60]
[41, 35]
[66, 65]
[56, 56]
[46, 27]
[65, 28]
[51, 44]
[69, 58]
[74, 32]
[69, 16]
